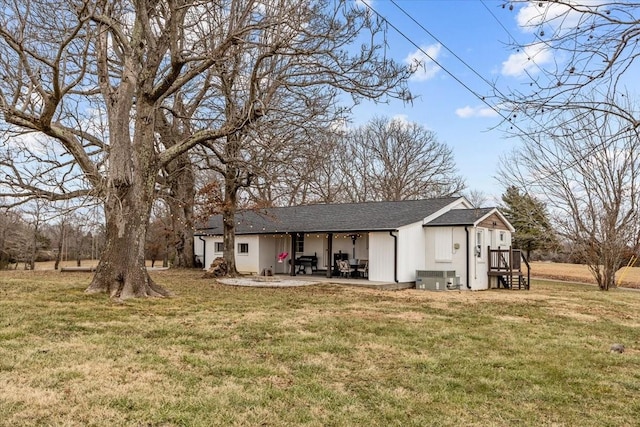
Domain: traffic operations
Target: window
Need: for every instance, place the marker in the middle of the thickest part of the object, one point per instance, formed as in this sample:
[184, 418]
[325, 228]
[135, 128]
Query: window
[479, 243]
[502, 237]
[243, 248]
[219, 247]
[300, 244]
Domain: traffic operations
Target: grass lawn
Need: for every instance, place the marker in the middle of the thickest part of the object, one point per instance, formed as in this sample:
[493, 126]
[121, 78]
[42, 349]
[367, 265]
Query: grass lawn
[316, 355]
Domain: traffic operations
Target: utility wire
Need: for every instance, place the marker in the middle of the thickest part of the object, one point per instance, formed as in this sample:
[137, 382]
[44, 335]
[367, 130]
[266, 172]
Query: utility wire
[474, 93]
[463, 84]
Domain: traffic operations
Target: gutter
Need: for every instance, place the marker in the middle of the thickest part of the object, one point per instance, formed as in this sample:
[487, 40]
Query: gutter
[466, 230]
[395, 255]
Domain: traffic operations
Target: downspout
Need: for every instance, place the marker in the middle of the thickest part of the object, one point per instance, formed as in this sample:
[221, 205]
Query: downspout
[204, 252]
[395, 255]
[292, 260]
[466, 230]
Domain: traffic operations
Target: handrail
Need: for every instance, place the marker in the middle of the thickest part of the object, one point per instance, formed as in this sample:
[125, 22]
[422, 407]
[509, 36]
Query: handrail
[498, 261]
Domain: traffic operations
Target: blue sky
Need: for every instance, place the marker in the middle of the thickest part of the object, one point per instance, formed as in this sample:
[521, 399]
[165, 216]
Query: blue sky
[479, 33]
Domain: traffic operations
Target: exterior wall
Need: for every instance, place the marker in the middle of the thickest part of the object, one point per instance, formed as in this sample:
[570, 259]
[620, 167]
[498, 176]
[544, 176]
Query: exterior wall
[209, 254]
[492, 239]
[245, 263]
[315, 244]
[493, 221]
[279, 244]
[267, 255]
[480, 262]
[199, 250]
[343, 243]
[381, 257]
[458, 252]
[411, 249]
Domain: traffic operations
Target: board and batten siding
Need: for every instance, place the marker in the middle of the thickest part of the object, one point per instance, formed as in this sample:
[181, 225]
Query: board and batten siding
[443, 240]
[381, 257]
[493, 221]
[411, 248]
[446, 250]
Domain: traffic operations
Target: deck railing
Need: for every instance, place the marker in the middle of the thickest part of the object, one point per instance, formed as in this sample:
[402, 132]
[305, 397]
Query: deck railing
[509, 263]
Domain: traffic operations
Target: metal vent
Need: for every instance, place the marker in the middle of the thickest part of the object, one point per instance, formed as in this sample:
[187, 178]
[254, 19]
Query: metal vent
[433, 280]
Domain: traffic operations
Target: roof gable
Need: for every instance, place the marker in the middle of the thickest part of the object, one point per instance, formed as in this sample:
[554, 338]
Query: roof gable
[473, 217]
[345, 217]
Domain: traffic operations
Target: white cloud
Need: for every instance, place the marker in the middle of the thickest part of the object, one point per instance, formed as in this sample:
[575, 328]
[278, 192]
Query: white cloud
[478, 111]
[528, 60]
[556, 15]
[401, 118]
[364, 3]
[421, 62]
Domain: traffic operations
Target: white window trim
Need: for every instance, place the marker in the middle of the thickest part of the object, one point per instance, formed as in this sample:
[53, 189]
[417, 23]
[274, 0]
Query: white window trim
[243, 253]
[215, 247]
[480, 245]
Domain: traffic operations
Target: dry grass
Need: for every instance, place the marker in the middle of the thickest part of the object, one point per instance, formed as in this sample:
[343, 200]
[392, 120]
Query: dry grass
[581, 274]
[316, 356]
[48, 265]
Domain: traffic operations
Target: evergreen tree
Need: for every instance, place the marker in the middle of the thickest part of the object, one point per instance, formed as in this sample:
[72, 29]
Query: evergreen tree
[529, 217]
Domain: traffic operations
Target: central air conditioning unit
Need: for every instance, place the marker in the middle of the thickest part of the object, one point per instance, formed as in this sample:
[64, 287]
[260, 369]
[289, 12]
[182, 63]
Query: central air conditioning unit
[430, 280]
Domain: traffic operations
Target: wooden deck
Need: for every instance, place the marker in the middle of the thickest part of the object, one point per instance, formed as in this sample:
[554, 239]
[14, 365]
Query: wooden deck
[510, 268]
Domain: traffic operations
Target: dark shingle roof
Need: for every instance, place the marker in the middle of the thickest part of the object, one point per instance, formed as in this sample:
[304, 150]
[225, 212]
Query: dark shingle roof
[344, 217]
[461, 217]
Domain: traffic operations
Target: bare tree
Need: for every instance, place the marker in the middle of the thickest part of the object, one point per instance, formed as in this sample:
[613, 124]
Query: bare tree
[594, 49]
[10, 225]
[587, 169]
[118, 63]
[299, 66]
[577, 123]
[477, 198]
[397, 160]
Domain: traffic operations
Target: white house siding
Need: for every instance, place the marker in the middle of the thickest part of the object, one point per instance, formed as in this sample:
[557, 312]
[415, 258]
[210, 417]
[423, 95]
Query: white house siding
[199, 243]
[481, 262]
[381, 257]
[268, 255]
[245, 263]
[209, 244]
[315, 244]
[248, 263]
[411, 247]
[456, 250]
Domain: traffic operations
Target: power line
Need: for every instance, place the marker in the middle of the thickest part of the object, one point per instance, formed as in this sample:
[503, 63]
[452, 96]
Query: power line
[442, 44]
[463, 84]
[481, 98]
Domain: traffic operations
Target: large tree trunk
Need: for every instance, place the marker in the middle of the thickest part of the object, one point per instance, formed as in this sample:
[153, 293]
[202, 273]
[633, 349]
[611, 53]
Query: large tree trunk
[121, 272]
[230, 203]
[181, 201]
[229, 225]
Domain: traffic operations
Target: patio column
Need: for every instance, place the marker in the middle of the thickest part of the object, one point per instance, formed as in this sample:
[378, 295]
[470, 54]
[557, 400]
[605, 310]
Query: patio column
[294, 241]
[330, 254]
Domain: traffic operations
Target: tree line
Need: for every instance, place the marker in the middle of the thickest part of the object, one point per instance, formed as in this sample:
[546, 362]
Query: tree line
[35, 235]
[222, 105]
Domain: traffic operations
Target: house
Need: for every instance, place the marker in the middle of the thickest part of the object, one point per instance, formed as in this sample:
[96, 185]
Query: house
[385, 241]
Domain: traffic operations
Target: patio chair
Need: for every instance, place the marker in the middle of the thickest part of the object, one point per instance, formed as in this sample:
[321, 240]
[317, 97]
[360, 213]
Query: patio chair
[363, 268]
[345, 268]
